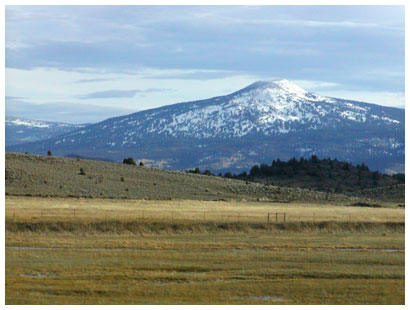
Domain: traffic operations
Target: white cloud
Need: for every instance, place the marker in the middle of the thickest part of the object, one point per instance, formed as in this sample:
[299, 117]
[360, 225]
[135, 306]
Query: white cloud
[315, 85]
[147, 88]
[307, 23]
[16, 44]
[66, 112]
[384, 98]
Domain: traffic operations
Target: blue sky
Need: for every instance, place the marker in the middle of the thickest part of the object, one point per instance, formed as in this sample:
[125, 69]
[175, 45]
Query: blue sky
[87, 63]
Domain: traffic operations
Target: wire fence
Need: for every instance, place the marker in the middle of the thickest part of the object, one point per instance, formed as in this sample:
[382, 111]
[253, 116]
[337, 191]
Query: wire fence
[72, 214]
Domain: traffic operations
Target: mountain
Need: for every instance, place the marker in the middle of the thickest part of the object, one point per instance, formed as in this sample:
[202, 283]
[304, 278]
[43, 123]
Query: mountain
[264, 121]
[21, 130]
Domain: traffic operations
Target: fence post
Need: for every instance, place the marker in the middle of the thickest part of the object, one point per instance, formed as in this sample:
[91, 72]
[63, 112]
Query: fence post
[276, 217]
[284, 217]
[268, 217]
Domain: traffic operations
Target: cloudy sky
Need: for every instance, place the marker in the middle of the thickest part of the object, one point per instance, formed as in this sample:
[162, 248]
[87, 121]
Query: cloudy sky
[86, 63]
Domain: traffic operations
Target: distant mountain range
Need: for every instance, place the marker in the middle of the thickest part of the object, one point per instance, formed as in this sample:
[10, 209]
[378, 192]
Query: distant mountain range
[21, 130]
[264, 121]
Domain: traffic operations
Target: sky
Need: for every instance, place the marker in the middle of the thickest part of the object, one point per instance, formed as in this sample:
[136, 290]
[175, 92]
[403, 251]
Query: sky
[83, 64]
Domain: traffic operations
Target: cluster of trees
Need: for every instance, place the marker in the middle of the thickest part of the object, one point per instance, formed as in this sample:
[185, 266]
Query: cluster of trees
[131, 161]
[314, 173]
[208, 172]
[312, 166]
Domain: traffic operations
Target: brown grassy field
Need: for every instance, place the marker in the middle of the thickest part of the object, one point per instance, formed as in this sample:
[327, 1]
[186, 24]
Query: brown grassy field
[84, 209]
[106, 253]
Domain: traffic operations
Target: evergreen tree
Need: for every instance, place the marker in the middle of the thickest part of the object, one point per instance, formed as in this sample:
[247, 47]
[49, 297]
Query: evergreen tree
[254, 171]
[207, 172]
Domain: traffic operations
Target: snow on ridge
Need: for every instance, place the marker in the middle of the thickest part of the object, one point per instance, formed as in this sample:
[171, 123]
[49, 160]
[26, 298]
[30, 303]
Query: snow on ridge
[38, 124]
[28, 123]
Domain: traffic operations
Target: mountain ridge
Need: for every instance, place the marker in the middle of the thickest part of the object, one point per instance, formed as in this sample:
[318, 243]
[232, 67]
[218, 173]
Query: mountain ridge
[21, 130]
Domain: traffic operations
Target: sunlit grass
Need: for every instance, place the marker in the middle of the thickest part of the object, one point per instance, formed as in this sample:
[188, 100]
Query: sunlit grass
[74, 209]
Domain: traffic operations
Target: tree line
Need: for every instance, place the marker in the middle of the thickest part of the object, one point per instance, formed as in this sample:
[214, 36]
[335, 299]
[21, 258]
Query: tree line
[319, 174]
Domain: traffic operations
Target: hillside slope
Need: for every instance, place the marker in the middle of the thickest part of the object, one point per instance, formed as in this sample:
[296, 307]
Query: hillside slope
[33, 175]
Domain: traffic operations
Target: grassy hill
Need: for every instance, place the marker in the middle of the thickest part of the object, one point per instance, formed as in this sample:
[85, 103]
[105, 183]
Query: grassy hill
[49, 176]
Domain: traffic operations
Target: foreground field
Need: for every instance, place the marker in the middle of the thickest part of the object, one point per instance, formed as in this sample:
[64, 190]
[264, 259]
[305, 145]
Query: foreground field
[107, 259]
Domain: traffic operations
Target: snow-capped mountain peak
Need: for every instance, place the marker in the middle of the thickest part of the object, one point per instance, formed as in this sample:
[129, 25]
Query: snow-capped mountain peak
[278, 90]
[279, 85]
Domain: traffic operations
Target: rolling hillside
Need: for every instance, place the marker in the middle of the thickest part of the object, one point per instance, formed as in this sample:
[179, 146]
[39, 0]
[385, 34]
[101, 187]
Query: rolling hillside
[49, 176]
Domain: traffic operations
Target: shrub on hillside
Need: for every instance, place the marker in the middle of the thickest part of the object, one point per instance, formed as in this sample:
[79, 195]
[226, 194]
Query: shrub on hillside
[129, 161]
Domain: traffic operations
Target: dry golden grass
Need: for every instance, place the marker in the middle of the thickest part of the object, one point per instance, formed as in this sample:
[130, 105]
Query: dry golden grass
[98, 257]
[75, 209]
